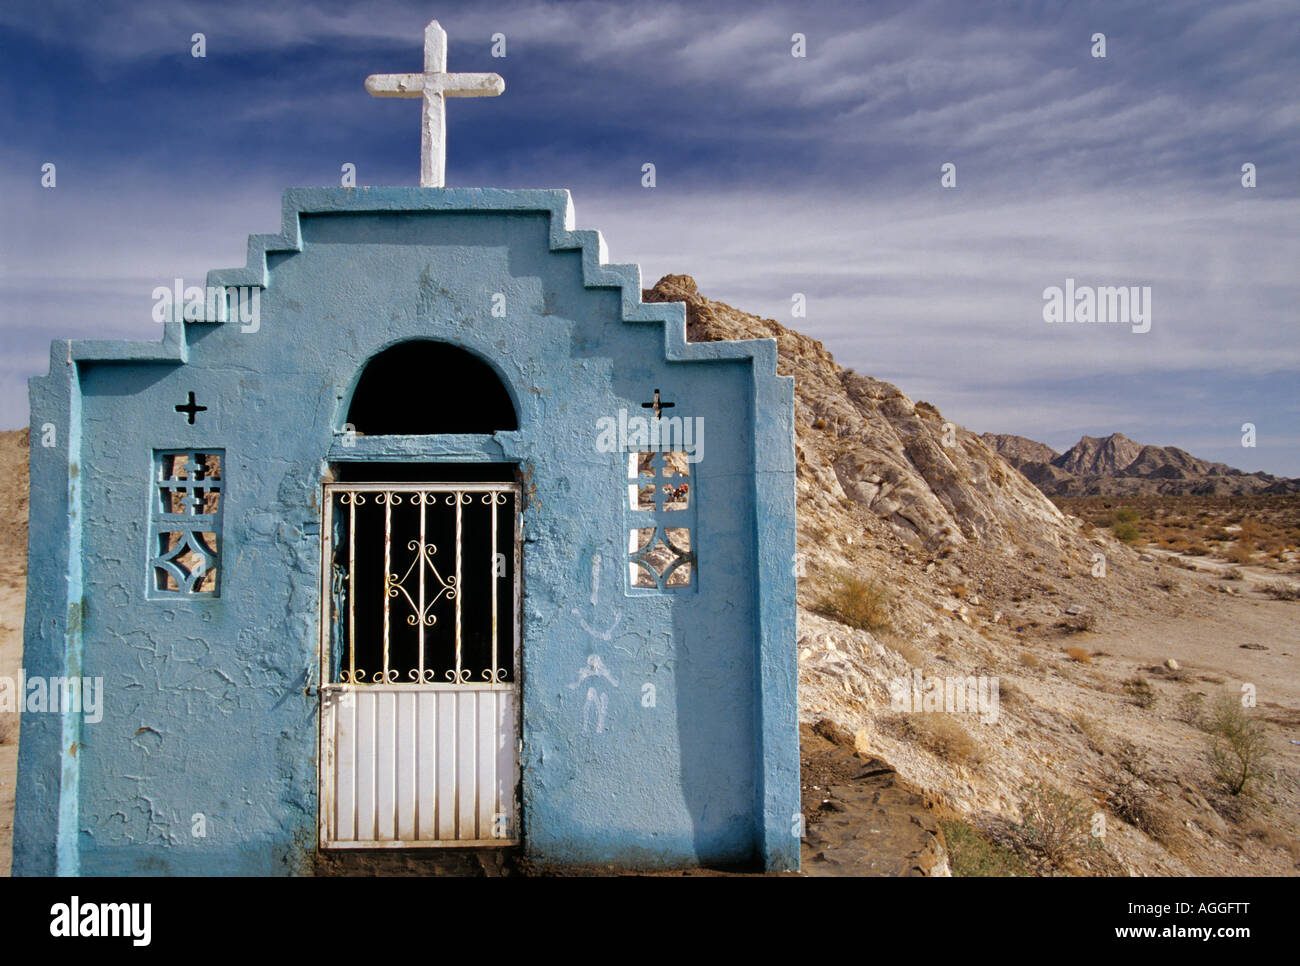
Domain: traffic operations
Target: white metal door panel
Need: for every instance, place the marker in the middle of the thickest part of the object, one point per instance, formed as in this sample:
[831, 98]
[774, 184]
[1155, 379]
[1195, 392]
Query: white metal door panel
[414, 766]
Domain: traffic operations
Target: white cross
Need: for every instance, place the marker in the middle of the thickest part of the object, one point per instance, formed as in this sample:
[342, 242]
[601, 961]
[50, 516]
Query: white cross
[434, 85]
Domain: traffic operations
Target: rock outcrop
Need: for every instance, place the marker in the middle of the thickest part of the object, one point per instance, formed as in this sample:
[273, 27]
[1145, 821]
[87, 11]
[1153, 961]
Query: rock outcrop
[1117, 466]
[864, 441]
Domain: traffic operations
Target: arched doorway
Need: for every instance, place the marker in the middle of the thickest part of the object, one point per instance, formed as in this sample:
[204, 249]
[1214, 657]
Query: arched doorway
[420, 612]
[422, 386]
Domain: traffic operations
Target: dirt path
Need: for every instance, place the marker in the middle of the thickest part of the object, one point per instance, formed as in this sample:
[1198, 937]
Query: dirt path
[1240, 639]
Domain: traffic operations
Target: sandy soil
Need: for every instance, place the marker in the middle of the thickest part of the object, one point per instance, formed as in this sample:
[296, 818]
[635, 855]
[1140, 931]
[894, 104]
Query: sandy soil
[13, 581]
[11, 651]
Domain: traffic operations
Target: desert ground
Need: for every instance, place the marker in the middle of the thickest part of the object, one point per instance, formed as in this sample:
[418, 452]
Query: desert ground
[13, 582]
[1216, 638]
[11, 652]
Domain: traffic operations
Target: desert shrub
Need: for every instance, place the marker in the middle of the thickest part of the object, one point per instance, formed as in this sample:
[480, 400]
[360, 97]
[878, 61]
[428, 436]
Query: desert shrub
[1241, 552]
[1078, 623]
[1089, 729]
[1133, 800]
[1191, 709]
[1132, 758]
[1282, 590]
[1079, 654]
[1170, 674]
[1009, 694]
[8, 728]
[1237, 746]
[1232, 573]
[1273, 838]
[1140, 691]
[942, 735]
[972, 854]
[1125, 532]
[1125, 514]
[859, 603]
[1056, 828]
[1029, 660]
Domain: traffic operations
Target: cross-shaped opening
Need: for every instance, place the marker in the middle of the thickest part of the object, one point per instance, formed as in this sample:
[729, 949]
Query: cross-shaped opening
[191, 409]
[662, 480]
[657, 405]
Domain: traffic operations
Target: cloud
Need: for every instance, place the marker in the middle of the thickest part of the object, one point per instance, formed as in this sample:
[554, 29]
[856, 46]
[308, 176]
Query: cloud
[777, 175]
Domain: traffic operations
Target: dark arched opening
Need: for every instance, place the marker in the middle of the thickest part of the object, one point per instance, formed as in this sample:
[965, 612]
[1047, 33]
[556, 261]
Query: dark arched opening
[423, 387]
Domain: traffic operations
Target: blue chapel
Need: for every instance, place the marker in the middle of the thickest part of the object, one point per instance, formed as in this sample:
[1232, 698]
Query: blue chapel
[419, 531]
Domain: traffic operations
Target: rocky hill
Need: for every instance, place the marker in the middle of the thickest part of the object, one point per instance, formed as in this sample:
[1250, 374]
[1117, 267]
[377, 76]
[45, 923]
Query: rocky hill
[863, 444]
[1020, 449]
[972, 571]
[1117, 466]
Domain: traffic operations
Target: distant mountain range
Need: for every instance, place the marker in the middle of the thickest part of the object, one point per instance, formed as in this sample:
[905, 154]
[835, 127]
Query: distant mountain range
[1117, 466]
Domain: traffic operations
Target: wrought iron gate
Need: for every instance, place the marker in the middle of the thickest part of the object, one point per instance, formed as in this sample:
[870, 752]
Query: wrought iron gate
[419, 665]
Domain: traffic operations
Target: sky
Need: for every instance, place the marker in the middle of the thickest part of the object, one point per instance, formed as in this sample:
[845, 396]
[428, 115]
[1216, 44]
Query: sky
[819, 175]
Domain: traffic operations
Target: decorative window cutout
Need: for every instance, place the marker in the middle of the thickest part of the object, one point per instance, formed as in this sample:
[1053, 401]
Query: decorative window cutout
[659, 481]
[185, 529]
[659, 557]
[660, 553]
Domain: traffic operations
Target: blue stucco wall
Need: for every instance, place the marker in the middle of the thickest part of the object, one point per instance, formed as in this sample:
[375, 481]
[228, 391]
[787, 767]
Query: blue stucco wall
[207, 707]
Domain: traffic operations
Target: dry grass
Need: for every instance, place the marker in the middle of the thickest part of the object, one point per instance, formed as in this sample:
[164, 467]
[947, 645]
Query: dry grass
[1273, 838]
[1140, 691]
[1090, 730]
[1056, 830]
[1078, 623]
[1133, 800]
[1282, 590]
[908, 651]
[1191, 709]
[864, 604]
[1079, 654]
[943, 735]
